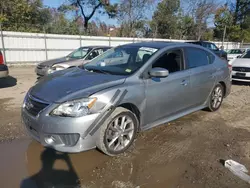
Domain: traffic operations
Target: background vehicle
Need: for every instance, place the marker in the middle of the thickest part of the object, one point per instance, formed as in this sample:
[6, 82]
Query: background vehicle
[4, 72]
[78, 57]
[211, 46]
[234, 53]
[241, 68]
[104, 105]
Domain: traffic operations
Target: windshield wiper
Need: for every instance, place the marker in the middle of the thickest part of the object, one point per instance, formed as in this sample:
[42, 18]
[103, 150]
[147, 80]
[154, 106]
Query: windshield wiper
[97, 70]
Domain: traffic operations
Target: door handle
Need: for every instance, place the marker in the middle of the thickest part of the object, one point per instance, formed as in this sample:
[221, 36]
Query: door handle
[184, 82]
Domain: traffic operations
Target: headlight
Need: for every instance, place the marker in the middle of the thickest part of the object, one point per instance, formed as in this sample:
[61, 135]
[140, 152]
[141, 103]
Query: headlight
[51, 70]
[54, 69]
[76, 108]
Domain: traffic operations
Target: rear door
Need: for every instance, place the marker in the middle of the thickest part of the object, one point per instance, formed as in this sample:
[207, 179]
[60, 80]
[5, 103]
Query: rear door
[202, 73]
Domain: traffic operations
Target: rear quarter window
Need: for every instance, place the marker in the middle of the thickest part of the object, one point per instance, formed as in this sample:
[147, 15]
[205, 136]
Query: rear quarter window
[211, 57]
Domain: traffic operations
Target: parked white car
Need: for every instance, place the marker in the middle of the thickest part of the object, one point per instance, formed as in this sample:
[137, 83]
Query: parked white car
[241, 68]
[234, 53]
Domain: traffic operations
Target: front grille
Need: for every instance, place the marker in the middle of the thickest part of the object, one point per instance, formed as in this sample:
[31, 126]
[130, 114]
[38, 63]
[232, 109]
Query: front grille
[41, 66]
[34, 106]
[241, 69]
[69, 139]
[242, 78]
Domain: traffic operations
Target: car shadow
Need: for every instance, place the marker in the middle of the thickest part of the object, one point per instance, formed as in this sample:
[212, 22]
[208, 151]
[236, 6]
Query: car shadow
[50, 177]
[240, 83]
[8, 81]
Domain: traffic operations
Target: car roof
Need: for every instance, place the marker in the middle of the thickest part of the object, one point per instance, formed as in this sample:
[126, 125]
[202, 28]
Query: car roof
[154, 44]
[95, 47]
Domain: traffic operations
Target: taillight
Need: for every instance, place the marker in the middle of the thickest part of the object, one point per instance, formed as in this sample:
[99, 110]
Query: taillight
[230, 67]
[1, 58]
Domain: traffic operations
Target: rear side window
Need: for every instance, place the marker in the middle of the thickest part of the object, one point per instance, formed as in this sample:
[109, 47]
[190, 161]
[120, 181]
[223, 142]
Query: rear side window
[196, 57]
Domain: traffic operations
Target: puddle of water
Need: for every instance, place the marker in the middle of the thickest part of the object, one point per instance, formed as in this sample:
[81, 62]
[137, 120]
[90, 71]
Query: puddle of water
[25, 163]
[12, 163]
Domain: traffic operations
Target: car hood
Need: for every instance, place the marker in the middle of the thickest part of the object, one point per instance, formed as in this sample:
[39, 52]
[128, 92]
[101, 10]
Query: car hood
[73, 83]
[52, 62]
[233, 55]
[74, 63]
[241, 62]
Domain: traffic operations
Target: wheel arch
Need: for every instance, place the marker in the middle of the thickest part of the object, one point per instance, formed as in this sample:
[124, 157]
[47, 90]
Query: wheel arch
[133, 108]
[224, 87]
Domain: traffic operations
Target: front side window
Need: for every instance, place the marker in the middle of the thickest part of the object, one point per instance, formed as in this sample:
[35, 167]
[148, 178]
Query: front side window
[93, 54]
[196, 57]
[210, 46]
[79, 53]
[122, 60]
[213, 47]
[172, 60]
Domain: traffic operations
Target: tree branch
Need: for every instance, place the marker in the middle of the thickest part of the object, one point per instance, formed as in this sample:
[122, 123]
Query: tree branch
[79, 4]
[93, 11]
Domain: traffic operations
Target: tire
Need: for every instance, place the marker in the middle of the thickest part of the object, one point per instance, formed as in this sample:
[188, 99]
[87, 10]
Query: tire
[216, 95]
[109, 131]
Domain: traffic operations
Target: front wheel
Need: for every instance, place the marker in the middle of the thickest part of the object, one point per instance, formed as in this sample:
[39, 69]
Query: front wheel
[216, 98]
[118, 132]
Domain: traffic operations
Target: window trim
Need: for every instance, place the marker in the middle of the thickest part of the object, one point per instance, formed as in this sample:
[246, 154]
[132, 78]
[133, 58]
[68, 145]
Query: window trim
[145, 73]
[214, 57]
[186, 56]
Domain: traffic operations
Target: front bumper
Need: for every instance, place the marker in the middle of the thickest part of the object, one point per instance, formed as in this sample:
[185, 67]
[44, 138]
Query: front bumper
[4, 71]
[69, 134]
[241, 76]
[41, 71]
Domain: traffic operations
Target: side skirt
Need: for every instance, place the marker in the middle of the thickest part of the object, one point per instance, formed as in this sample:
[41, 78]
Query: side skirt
[171, 118]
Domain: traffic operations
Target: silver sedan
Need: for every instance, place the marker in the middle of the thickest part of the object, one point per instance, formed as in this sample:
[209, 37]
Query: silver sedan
[128, 89]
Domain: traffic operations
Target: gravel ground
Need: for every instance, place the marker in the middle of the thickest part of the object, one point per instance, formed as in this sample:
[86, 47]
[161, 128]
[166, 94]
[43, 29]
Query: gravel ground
[186, 153]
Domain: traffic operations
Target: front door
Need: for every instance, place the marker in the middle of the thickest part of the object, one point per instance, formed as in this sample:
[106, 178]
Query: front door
[170, 95]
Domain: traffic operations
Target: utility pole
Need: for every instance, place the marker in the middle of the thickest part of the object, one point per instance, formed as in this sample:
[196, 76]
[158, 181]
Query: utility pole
[224, 35]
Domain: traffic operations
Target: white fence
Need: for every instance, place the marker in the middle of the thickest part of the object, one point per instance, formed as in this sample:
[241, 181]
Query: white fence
[22, 47]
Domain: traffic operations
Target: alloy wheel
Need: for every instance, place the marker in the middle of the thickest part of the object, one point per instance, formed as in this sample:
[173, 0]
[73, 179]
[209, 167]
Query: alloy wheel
[120, 133]
[217, 97]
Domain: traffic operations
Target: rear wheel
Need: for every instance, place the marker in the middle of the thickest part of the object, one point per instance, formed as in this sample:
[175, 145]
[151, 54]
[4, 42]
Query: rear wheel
[216, 98]
[118, 132]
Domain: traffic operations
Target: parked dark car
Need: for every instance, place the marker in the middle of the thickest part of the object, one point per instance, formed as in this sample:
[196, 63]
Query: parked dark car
[211, 46]
[78, 57]
[4, 72]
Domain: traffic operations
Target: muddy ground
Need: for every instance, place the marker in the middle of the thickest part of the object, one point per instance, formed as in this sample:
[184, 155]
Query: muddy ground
[184, 153]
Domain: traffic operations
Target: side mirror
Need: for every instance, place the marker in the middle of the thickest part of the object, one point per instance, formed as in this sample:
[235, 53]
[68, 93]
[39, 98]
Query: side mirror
[238, 56]
[159, 72]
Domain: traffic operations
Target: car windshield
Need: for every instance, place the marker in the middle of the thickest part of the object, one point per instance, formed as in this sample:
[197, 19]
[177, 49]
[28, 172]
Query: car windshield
[122, 60]
[246, 55]
[79, 53]
[235, 51]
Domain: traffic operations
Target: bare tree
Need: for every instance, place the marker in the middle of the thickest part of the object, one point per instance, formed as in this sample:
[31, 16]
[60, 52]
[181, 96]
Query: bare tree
[201, 11]
[89, 7]
[131, 14]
